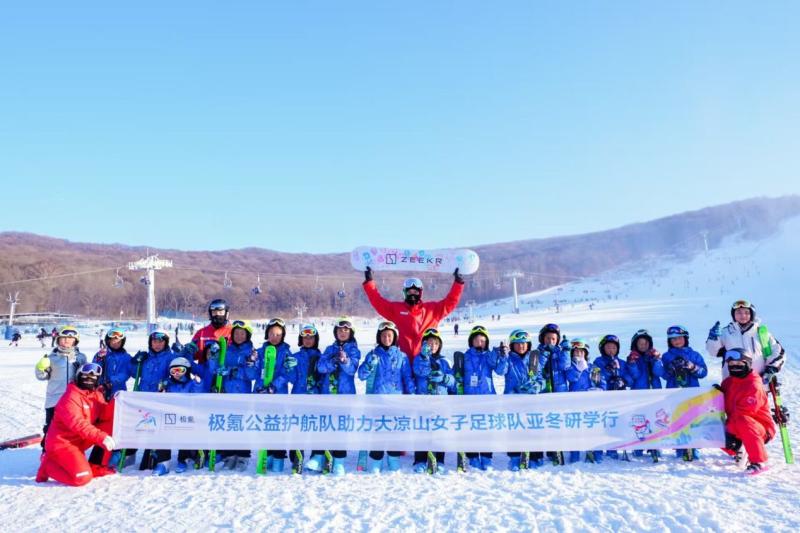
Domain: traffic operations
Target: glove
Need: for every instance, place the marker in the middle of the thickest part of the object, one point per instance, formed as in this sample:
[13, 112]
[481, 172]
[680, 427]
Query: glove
[177, 347]
[437, 376]
[617, 383]
[690, 367]
[769, 374]
[372, 361]
[189, 350]
[426, 350]
[564, 344]
[213, 350]
[252, 358]
[43, 365]
[139, 357]
[195, 378]
[368, 274]
[717, 386]
[290, 362]
[503, 350]
[580, 363]
[655, 354]
[714, 332]
[458, 278]
[448, 381]
[108, 443]
[222, 372]
[633, 357]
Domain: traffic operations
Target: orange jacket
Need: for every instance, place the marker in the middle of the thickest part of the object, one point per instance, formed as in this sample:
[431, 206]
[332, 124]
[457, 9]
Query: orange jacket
[208, 334]
[77, 416]
[413, 320]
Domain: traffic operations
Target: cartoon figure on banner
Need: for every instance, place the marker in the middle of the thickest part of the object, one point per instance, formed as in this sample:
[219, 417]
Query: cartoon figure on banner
[662, 418]
[641, 426]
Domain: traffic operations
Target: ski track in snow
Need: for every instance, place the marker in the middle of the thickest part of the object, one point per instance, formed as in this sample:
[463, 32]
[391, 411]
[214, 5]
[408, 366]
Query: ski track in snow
[709, 495]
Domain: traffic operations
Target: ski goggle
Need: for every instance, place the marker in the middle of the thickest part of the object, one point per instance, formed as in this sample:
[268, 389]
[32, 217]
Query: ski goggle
[551, 328]
[519, 336]
[737, 354]
[609, 338]
[741, 304]
[177, 370]
[641, 333]
[432, 332]
[412, 283]
[159, 336]
[309, 331]
[115, 334]
[276, 322]
[69, 332]
[578, 344]
[239, 324]
[218, 306]
[344, 323]
[676, 331]
[91, 369]
[479, 330]
[387, 324]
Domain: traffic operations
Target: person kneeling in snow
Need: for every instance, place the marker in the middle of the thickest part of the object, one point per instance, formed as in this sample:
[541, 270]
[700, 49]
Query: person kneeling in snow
[82, 418]
[747, 408]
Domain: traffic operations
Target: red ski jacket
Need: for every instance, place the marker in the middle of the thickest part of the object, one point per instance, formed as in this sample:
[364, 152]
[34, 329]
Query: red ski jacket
[208, 334]
[745, 397]
[76, 417]
[413, 320]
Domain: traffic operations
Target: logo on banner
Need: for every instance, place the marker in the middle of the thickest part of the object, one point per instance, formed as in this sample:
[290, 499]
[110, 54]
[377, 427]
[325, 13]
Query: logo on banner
[662, 418]
[176, 421]
[147, 423]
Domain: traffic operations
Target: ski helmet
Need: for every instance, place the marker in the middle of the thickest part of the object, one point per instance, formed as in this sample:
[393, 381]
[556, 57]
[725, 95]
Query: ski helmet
[216, 305]
[478, 330]
[180, 362]
[412, 283]
[281, 323]
[613, 339]
[578, 344]
[641, 334]
[308, 330]
[344, 322]
[242, 324]
[88, 375]
[520, 336]
[742, 356]
[387, 324]
[673, 332]
[116, 333]
[70, 332]
[743, 304]
[158, 334]
[433, 333]
[549, 328]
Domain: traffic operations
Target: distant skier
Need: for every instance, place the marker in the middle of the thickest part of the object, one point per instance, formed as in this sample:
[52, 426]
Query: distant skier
[412, 316]
[53, 337]
[42, 335]
[15, 338]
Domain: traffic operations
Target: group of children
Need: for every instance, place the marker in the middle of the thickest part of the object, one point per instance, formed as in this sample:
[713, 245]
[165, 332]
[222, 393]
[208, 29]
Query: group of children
[553, 365]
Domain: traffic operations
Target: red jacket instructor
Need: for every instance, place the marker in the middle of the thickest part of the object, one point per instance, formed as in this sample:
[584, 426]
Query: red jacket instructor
[411, 316]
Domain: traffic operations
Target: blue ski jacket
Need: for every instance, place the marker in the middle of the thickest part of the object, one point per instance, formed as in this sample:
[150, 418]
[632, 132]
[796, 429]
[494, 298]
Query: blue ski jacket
[339, 374]
[518, 379]
[238, 373]
[611, 374]
[645, 373]
[676, 375]
[303, 377]
[556, 361]
[478, 368]
[155, 368]
[392, 371]
[581, 380]
[423, 366]
[185, 384]
[280, 379]
[116, 366]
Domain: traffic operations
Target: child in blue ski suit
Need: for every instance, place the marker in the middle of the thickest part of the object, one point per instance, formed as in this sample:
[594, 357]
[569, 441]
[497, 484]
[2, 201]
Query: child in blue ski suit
[583, 377]
[524, 376]
[181, 379]
[479, 363]
[391, 372]
[554, 358]
[304, 377]
[336, 369]
[645, 371]
[614, 374]
[285, 362]
[237, 373]
[683, 367]
[153, 366]
[433, 375]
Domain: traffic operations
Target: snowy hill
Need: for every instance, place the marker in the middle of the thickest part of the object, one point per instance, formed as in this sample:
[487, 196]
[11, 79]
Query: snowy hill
[709, 495]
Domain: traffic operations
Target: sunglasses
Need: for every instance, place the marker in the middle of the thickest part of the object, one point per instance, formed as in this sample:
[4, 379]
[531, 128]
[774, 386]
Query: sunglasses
[309, 331]
[412, 283]
[276, 322]
[92, 369]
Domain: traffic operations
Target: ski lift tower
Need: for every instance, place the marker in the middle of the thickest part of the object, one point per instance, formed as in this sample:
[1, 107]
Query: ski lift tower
[150, 263]
[13, 301]
[514, 275]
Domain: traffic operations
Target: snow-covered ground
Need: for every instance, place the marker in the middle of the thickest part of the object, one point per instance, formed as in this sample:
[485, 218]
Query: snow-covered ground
[709, 495]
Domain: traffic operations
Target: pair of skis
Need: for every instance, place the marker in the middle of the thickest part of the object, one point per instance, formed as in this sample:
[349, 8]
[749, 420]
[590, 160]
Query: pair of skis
[268, 373]
[136, 380]
[780, 415]
[223, 350]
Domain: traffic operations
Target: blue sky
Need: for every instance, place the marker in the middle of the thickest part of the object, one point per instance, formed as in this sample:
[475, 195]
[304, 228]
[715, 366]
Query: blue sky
[319, 126]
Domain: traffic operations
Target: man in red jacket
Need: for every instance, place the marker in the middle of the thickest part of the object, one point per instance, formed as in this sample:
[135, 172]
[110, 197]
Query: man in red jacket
[411, 316]
[746, 405]
[218, 327]
[82, 419]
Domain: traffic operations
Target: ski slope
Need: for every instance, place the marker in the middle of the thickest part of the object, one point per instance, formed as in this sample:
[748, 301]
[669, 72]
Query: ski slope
[709, 495]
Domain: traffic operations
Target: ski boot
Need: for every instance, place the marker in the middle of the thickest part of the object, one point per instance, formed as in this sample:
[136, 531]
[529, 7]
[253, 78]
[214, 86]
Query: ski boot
[441, 469]
[338, 467]
[242, 463]
[754, 469]
[229, 463]
[535, 463]
[486, 464]
[420, 468]
[277, 466]
[315, 463]
[181, 467]
[374, 465]
[161, 469]
[475, 462]
[393, 463]
[613, 454]
[513, 464]
[574, 457]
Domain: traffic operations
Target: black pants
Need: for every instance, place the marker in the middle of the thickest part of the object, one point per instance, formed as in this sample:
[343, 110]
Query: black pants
[422, 457]
[48, 417]
[222, 454]
[185, 455]
[377, 456]
[277, 454]
[151, 458]
[336, 454]
[473, 455]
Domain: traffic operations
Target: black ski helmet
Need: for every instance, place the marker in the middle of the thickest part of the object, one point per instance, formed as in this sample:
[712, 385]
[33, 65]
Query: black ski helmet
[88, 375]
[308, 330]
[158, 334]
[608, 339]
[219, 303]
[116, 333]
[641, 334]
[475, 331]
[739, 354]
[743, 304]
[281, 323]
[549, 328]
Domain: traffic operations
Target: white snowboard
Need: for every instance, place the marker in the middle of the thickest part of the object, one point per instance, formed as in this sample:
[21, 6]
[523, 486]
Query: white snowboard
[404, 259]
